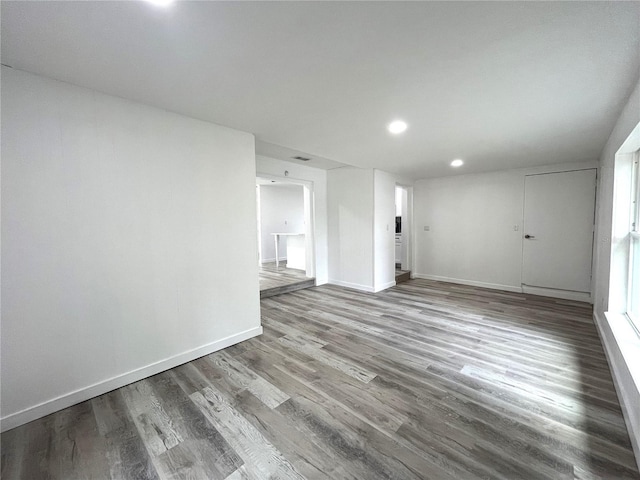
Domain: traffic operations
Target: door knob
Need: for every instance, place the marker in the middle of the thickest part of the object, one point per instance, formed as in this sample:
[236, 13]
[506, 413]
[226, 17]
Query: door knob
[529, 236]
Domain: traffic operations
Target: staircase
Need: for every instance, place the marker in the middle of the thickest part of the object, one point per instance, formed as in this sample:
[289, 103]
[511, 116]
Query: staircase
[402, 276]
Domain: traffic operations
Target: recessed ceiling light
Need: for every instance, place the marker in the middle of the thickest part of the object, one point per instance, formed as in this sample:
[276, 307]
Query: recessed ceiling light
[161, 3]
[397, 127]
[457, 163]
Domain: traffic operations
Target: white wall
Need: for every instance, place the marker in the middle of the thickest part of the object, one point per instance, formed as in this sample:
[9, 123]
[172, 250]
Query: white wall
[281, 211]
[471, 219]
[384, 228]
[621, 343]
[361, 212]
[317, 179]
[350, 213]
[629, 118]
[128, 242]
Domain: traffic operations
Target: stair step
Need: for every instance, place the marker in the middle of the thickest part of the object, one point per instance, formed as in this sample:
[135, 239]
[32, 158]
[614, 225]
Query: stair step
[403, 277]
[270, 292]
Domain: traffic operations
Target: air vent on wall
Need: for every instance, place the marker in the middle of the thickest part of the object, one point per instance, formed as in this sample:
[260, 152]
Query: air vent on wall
[304, 159]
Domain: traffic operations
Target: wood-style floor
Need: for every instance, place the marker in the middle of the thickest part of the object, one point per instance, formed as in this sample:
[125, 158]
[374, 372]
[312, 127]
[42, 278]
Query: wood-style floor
[424, 380]
[278, 280]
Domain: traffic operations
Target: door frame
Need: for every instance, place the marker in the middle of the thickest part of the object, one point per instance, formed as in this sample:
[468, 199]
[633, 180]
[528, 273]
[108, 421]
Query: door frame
[552, 292]
[408, 255]
[309, 220]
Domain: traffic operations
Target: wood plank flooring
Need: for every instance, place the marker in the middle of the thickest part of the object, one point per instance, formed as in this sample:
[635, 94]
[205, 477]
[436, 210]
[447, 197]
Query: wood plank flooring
[425, 380]
[278, 280]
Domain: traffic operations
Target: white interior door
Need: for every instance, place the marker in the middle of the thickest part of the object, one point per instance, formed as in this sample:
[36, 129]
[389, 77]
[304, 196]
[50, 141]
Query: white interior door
[558, 230]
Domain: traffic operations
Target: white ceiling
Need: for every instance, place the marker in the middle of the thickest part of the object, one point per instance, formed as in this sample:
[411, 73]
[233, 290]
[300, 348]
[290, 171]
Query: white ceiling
[289, 154]
[499, 84]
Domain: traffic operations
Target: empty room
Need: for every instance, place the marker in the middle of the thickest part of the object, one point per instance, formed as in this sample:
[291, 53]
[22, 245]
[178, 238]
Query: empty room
[320, 240]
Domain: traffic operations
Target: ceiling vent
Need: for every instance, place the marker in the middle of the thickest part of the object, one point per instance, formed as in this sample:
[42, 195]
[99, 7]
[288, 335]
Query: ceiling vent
[303, 159]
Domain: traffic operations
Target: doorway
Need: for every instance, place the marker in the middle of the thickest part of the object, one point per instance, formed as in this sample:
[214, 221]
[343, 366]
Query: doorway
[285, 235]
[557, 250]
[403, 234]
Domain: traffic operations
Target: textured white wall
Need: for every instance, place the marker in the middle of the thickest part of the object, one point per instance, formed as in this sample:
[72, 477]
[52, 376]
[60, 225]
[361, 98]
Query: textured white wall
[350, 213]
[128, 242]
[471, 236]
[384, 229]
[361, 216]
[471, 219]
[281, 211]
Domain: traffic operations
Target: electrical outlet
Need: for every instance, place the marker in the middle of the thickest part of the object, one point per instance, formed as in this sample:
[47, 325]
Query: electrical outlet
[516, 228]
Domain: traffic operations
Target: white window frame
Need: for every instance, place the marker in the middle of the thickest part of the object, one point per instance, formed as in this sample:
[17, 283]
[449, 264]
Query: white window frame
[634, 241]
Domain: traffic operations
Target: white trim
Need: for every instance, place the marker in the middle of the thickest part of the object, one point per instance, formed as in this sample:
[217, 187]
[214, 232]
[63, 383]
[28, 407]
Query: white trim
[384, 286]
[545, 292]
[555, 293]
[473, 283]
[633, 277]
[45, 408]
[562, 171]
[311, 262]
[622, 349]
[355, 286]
[406, 260]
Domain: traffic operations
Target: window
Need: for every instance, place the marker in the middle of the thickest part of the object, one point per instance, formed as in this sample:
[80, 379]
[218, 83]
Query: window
[633, 295]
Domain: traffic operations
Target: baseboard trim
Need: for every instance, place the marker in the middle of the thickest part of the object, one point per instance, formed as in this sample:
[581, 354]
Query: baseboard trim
[473, 283]
[355, 286]
[618, 367]
[384, 286]
[50, 406]
[554, 293]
